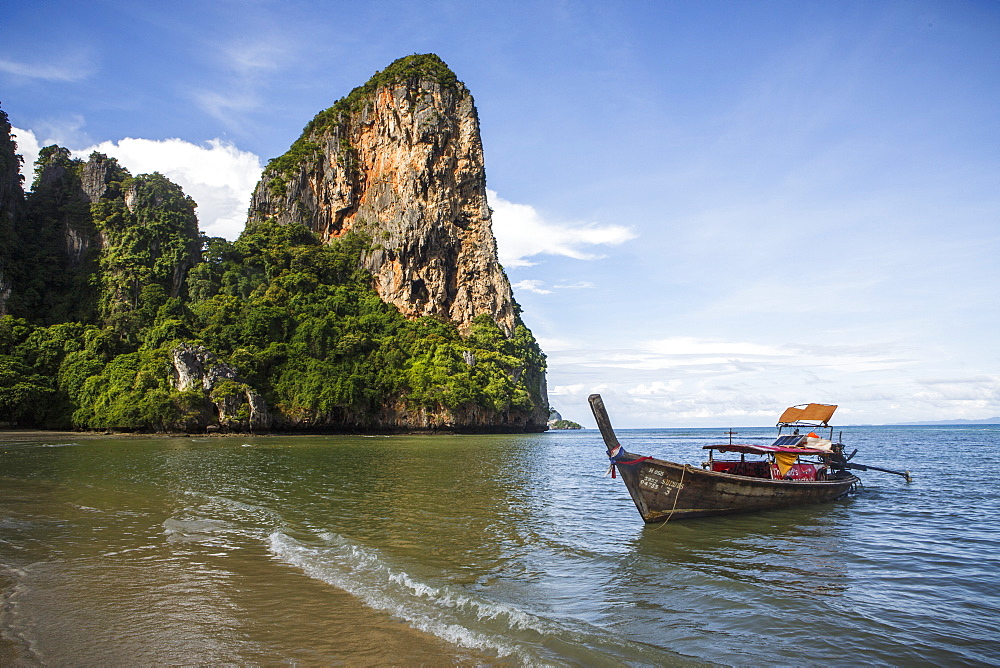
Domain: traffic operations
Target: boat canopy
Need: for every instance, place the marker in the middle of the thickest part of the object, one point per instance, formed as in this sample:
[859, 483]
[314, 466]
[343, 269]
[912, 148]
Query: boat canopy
[749, 449]
[815, 415]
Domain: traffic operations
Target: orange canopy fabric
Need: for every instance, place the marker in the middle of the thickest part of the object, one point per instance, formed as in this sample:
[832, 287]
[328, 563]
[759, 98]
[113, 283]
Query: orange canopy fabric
[807, 413]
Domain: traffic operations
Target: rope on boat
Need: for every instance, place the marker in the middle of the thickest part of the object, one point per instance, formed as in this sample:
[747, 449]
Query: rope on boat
[677, 495]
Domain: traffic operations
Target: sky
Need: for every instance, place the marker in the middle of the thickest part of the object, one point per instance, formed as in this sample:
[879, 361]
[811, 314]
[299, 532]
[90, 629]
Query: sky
[709, 211]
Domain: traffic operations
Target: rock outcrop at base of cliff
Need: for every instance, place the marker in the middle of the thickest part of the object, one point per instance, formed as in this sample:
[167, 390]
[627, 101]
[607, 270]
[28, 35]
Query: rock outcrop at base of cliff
[237, 406]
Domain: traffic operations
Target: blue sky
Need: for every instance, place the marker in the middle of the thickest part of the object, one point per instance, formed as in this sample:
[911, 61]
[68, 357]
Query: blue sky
[709, 210]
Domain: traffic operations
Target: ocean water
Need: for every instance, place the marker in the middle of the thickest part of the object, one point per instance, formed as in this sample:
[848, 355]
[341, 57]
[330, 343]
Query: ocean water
[472, 550]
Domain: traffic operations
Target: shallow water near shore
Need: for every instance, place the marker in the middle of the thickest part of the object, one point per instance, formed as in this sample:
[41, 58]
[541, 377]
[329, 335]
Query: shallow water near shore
[501, 549]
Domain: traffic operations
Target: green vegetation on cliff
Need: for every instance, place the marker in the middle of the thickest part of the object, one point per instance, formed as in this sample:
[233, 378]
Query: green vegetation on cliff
[110, 278]
[299, 319]
[295, 317]
[422, 67]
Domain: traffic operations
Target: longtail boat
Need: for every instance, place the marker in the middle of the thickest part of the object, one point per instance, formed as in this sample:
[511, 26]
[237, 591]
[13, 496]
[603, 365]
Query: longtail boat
[796, 469]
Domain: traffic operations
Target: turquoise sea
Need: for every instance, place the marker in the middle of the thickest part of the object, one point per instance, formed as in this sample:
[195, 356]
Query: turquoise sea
[508, 550]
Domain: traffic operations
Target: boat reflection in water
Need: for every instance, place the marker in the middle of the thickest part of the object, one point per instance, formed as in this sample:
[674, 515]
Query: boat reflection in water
[796, 469]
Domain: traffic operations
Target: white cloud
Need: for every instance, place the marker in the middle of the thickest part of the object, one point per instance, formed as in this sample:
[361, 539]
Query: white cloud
[539, 287]
[76, 68]
[67, 130]
[567, 390]
[531, 286]
[550, 344]
[657, 387]
[522, 233]
[691, 381]
[227, 108]
[27, 147]
[256, 54]
[687, 345]
[721, 357]
[217, 175]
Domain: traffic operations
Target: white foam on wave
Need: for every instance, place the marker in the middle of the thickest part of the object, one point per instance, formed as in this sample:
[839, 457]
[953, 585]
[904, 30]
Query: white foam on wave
[193, 528]
[252, 514]
[219, 521]
[441, 611]
[482, 610]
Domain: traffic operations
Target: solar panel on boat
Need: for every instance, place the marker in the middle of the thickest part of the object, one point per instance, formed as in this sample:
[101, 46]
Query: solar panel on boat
[788, 440]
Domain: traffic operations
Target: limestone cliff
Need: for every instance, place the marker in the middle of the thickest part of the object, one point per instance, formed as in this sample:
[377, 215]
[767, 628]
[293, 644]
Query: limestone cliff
[401, 160]
[61, 190]
[11, 200]
[52, 235]
[364, 294]
[11, 189]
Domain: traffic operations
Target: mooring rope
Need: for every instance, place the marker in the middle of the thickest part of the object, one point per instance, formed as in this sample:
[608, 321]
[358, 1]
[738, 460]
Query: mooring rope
[677, 495]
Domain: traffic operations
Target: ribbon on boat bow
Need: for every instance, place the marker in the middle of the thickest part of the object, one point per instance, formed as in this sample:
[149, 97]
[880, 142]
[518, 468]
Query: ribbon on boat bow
[613, 457]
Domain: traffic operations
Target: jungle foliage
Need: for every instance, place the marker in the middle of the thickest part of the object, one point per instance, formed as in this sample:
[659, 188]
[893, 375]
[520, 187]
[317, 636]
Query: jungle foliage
[88, 335]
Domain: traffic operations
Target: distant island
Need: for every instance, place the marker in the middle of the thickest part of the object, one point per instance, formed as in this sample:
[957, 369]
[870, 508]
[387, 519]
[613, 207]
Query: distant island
[994, 420]
[364, 293]
[556, 421]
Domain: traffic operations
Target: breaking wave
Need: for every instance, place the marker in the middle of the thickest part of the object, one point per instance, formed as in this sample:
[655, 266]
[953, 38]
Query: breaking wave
[441, 611]
[457, 615]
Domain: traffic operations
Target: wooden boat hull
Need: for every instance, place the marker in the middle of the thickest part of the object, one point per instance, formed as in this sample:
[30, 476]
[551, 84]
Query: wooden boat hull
[665, 491]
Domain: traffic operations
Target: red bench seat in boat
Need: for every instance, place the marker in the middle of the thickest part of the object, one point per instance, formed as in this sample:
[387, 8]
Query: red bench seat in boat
[765, 470]
[752, 469]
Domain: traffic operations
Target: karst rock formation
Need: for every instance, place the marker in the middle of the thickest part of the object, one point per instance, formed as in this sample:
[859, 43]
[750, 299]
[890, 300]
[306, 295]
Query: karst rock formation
[400, 159]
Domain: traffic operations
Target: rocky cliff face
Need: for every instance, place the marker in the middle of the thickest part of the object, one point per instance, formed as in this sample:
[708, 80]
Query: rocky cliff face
[401, 160]
[11, 189]
[51, 235]
[59, 182]
[11, 199]
[98, 178]
[90, 238]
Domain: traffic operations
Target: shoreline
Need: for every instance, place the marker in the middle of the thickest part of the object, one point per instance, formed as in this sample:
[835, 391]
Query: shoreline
[8, 434]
